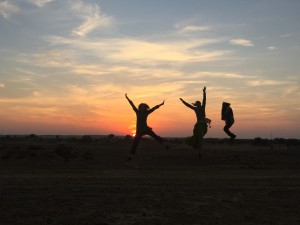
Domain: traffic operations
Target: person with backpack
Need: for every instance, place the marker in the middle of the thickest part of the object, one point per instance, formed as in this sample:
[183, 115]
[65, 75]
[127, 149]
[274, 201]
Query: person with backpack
[227, 116]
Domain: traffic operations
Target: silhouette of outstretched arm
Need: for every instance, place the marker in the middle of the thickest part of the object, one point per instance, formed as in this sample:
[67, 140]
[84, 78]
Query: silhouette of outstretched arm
[131, 103]
[187, 104]
[204, 97]
[156, 107]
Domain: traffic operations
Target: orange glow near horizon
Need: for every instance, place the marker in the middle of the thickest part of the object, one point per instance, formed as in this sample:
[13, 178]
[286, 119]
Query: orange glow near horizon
[173, 119]
[179, 124]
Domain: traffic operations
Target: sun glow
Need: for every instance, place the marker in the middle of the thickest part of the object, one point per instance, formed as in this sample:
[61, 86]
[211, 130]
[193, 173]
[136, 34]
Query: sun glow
[132, 129]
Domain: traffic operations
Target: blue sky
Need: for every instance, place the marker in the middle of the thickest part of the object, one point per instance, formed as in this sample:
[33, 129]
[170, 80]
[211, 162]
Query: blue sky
[66, 65]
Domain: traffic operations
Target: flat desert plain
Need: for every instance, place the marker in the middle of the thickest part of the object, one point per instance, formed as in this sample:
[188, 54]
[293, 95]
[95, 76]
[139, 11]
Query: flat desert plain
[69, 182]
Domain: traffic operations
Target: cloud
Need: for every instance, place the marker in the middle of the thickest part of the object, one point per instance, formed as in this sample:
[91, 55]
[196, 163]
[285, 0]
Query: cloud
[140, 51]
[222, 75]
[52, 58]
[92, 16]
[40, 3]
[242, 42]
[176, 51]
[272, 48]
[291, 91]
[79, 104]
[7, 9]
[186, 27]
[261, 82]
[191, 29]
[286, 35]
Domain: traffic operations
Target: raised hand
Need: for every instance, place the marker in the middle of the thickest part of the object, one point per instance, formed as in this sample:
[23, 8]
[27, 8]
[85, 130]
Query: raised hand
[204, 89]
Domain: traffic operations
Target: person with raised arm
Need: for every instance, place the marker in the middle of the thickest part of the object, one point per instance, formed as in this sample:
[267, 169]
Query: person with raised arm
[142, 128]
[200, 128]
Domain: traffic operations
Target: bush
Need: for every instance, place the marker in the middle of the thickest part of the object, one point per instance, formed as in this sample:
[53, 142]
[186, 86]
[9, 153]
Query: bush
[259, 141]
[87, 139]
[128, 137]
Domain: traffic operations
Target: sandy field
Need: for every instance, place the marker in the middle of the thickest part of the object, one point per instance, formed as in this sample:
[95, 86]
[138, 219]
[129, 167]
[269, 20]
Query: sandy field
[78, 181]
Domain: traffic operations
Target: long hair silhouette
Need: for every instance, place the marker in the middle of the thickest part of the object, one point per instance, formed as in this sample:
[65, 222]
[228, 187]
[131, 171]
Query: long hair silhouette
[142, 128]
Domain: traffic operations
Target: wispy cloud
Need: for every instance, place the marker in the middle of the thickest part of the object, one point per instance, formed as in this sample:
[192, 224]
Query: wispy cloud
[40, 3]
[52, 58]
[291, 91]
[261, 82]
[286, 35]
[272, 48]
[241, 42]
[223, 75]
[7, 9]
[191, 28]
[92, 16]
[176, 51]
[141, 51]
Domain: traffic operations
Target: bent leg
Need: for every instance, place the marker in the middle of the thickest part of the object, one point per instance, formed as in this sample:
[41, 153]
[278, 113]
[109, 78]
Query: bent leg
[226, 129]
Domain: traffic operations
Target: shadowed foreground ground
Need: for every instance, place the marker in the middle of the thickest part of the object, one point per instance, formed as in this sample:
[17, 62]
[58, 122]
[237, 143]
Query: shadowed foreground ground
[232, 184]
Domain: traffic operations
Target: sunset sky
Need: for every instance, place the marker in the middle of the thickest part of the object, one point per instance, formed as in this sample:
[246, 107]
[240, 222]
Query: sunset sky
[65, 65]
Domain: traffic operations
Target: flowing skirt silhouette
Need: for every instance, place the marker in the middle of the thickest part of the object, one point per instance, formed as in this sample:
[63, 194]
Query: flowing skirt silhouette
[200, 129]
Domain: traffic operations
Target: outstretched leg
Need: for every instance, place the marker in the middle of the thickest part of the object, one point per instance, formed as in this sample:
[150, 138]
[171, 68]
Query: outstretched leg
[227, 131]
[155, 136]
[158, 138]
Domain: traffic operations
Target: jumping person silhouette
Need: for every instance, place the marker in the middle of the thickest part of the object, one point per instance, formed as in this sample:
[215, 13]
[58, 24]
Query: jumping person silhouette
[200, 128]
[227, 116]
[142, 128]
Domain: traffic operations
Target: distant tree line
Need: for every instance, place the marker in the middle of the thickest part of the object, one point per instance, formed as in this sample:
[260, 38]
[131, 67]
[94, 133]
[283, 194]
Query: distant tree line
[112, 138]
[279, 141]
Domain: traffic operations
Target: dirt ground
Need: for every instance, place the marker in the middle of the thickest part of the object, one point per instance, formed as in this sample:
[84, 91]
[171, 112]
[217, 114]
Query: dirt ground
[68, 183]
